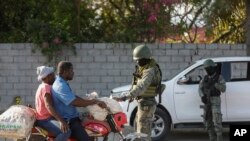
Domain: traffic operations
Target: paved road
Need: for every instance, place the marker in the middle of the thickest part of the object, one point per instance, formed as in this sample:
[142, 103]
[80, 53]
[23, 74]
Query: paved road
[176, 135]
[182, 135]
[193, 135]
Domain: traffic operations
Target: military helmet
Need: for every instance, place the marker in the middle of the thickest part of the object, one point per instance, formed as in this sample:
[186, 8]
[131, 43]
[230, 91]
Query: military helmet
[209, 63]
[141, 51]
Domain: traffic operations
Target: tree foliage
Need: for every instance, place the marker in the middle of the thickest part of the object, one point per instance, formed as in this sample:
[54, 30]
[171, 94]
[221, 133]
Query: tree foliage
[135, 20]
[12, 16]
[190, 20]
[223, 20]
[123, 21]
[90, 20]
[226, 21]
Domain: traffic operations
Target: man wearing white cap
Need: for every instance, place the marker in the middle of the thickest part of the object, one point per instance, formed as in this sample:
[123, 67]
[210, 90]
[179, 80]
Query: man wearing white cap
[47, 117]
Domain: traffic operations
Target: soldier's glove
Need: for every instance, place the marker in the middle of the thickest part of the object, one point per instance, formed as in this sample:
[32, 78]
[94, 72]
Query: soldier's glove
[123, 97]
[207, 84]
[217, 86]
[204, 99]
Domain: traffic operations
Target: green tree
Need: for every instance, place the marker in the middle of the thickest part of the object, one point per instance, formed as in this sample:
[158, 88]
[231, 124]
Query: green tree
[135, 20]
[229, 22]
[226, 21]
[247, 27]
[189, 18]
[226, 25]
[13, 15]
[93, 21]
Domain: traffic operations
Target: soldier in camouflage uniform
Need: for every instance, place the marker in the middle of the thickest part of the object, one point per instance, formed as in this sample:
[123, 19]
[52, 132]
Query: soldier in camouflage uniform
[210, 89]
[146, 85]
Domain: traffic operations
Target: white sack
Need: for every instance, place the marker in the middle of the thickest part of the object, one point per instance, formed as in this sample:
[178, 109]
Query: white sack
[99, 113]
[16, 122]
[114, 106]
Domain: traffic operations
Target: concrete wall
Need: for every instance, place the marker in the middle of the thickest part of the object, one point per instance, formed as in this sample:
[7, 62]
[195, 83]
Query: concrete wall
[98, 66]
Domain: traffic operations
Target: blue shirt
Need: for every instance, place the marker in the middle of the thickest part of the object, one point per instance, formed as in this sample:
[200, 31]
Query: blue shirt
[62, 97]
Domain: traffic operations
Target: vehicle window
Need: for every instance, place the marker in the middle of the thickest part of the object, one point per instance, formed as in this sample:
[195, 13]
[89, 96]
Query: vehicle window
[195, 75]
[226, 71]
[239, 71]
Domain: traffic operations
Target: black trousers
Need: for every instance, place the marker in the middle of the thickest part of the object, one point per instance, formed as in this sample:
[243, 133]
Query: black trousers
[77, 130]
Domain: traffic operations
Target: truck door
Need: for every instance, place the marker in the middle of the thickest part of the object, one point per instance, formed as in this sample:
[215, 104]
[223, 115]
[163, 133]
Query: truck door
[237, 91]
[187, 99]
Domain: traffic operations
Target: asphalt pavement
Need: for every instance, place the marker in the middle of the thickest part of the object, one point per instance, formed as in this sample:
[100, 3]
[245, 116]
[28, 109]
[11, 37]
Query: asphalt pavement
[190, 134]
[187, 134]
[194, 135]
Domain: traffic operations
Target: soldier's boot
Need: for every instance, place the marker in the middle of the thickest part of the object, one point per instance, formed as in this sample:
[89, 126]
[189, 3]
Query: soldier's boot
[219, 137]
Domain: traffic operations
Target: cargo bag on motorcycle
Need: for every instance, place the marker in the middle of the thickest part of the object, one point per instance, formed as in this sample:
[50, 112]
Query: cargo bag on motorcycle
[99, 113]
[16, 122]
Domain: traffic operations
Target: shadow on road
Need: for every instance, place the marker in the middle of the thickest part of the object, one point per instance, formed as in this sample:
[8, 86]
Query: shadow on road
[188, 134]
[193, 135]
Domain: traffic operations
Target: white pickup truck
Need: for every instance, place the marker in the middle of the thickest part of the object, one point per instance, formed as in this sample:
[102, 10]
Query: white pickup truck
[180, 101]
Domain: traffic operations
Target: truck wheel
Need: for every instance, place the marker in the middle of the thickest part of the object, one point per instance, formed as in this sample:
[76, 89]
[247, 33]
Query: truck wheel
[161, 126]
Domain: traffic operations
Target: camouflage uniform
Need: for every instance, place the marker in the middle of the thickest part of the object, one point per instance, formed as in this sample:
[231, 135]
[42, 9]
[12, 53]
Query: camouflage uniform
[210, 89]
[146, 80]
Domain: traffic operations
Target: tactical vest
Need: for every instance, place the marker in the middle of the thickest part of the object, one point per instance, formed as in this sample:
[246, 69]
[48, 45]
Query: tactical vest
[208, 86]
[150, 92]
[154, 88]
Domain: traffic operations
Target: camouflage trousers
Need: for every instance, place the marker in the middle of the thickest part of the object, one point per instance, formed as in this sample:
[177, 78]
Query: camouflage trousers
[144, 118]
[213, 122]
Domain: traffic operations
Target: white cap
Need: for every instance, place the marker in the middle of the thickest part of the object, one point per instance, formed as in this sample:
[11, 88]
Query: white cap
[43, 71]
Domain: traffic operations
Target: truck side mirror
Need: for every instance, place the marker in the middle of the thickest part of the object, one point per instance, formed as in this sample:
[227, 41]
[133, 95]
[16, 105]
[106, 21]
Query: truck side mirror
[182, 80]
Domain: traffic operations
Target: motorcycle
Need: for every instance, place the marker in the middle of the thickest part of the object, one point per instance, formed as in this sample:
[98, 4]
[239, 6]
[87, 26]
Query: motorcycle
[95, 129]
[114, 123]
